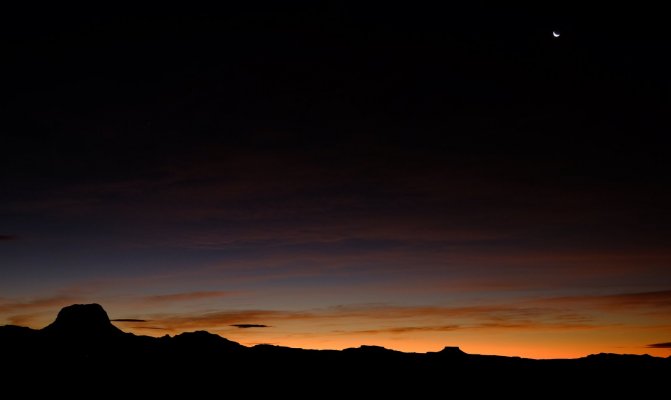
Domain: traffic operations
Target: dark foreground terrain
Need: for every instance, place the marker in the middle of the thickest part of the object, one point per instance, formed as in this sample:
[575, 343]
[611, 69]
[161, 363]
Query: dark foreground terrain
[83, 354]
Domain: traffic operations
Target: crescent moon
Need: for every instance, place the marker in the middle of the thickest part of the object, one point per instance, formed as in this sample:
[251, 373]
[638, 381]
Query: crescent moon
[555, 34]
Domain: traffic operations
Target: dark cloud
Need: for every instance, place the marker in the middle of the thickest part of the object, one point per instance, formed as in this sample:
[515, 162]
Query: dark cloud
[245, 326]
[666, 345]
[129, 320]
[7, 237]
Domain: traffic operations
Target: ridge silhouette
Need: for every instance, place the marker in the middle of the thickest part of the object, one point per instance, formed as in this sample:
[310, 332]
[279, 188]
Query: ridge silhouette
[83, 341]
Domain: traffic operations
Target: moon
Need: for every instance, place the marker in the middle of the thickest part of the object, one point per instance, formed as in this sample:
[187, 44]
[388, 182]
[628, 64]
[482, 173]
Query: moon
[556, 33]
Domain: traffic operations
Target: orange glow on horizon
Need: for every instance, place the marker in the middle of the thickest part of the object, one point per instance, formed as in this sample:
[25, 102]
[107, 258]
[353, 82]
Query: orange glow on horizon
[542, 327]
[487, 343]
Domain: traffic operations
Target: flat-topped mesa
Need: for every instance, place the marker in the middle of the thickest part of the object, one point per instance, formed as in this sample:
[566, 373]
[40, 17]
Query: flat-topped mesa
[89, 320]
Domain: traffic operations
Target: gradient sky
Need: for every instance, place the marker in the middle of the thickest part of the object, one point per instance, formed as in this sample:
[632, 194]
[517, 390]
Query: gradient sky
[327, 177]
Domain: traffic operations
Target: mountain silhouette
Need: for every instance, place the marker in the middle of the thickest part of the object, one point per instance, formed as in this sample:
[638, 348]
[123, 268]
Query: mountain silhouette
[202, 343]
[83, 343]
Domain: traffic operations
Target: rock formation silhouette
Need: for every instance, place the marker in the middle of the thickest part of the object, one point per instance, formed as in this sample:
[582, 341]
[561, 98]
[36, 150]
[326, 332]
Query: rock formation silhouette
[82, 321]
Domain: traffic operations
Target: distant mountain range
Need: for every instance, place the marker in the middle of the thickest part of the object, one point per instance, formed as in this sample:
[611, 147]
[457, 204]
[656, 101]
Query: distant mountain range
[83, 343]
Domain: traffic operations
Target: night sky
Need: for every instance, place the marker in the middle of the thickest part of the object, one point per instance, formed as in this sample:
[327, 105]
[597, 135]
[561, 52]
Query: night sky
[332, 176]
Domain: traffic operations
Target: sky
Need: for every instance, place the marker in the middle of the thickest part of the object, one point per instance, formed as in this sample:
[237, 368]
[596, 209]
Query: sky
[332, 176]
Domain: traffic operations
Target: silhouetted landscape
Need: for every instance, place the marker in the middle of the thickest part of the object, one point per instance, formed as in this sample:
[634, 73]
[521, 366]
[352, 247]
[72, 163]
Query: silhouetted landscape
[439, 178]
[83, 344]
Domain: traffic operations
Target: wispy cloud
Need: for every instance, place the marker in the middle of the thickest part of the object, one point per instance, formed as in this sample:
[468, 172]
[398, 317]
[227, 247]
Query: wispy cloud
[23, 319]
[560, 313]
[407, 329]
[129, 320]
[654, 300]
[642, 299]
[153, 328]
[34, 312]
[184, 297]
[312, 202]
[384, 319]
[42, 303]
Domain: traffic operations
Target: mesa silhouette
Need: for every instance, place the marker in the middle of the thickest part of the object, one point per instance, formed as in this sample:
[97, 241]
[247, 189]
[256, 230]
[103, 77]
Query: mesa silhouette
[83, 342]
